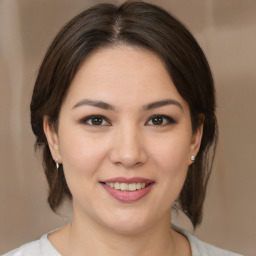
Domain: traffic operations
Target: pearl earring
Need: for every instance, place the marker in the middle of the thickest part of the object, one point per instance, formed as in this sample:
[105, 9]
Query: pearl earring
[56, 162]
[193, 158]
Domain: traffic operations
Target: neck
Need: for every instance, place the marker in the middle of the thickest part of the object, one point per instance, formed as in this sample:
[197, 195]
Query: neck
[91, 238]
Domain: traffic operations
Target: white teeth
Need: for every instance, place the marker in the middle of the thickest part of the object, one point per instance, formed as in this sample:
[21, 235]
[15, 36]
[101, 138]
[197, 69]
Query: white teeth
[132, 186]
[117, 185]
[126, 186]
[138, 185]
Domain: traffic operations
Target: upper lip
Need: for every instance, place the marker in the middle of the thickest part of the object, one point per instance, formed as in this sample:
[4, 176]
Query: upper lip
[128, 180]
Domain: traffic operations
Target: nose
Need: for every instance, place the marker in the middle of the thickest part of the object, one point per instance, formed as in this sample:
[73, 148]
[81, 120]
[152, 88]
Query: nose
[128, 148]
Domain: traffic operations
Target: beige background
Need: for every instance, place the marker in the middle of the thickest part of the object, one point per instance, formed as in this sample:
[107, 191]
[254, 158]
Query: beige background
[226, 29]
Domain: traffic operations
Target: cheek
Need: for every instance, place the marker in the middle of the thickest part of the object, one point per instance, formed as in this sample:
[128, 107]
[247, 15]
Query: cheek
[81, 159]
[171, 159]
[173, 152]
[80, 154]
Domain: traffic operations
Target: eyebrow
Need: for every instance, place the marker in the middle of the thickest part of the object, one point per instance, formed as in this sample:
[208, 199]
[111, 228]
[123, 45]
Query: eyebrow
[107, 106]
[162, 103]
[94, 103]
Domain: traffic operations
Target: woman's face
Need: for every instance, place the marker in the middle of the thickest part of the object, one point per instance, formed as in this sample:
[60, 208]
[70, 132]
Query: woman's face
[124, 139]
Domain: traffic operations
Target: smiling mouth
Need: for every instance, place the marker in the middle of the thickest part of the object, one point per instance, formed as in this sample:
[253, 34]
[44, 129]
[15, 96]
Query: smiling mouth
[128, 190]
[127, 186]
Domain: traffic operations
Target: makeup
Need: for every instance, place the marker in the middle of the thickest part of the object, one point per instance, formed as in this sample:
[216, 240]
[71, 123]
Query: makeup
[128, 189]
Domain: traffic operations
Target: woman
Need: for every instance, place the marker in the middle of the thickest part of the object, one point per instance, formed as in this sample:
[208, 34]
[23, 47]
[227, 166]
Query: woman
[124, 110]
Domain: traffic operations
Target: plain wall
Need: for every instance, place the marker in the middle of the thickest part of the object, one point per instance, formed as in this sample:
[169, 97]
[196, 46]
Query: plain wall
[226, 30]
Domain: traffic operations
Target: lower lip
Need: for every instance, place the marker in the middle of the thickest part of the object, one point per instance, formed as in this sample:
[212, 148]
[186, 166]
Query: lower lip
[128, 196]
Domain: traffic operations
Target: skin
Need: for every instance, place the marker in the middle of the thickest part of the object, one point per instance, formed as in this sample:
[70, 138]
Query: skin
[126, 143]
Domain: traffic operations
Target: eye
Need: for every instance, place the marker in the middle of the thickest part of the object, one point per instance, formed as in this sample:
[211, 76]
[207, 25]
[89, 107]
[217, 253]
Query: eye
[160, 120]
[95, 120]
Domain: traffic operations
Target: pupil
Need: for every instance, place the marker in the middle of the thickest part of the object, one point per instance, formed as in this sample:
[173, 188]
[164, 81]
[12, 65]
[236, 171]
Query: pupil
[97, 121]
[157, 120]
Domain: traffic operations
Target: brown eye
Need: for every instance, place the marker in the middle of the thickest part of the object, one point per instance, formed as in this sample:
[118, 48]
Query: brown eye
[157, 120]
[160, 120]
[95, 121]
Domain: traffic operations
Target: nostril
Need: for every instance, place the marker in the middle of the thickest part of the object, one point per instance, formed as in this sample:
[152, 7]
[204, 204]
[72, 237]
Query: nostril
[127, 150]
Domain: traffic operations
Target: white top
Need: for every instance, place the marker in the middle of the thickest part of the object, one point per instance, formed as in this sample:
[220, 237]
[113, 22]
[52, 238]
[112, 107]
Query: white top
[43, 247]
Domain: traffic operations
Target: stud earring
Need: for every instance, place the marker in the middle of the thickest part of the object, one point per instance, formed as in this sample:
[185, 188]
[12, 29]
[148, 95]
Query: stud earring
[193, 158]
[56, 162]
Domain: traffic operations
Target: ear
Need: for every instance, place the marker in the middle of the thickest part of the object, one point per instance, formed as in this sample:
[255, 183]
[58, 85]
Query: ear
[52, 138]
[196, 140]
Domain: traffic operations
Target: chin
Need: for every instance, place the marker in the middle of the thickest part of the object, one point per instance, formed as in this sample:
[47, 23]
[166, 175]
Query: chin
[127, 223]
[128, 228]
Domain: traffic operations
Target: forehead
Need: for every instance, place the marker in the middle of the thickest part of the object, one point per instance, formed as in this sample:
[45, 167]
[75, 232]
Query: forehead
[122, 74]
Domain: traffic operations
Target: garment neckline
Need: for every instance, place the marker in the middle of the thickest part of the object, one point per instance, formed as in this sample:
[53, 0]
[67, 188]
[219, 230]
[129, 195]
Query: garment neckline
[51, 249]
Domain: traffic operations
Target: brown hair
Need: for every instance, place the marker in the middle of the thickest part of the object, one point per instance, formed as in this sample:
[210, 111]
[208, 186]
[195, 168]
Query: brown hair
[142, 25]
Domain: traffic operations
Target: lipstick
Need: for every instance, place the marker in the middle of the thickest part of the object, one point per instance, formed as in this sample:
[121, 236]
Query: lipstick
[127, 189]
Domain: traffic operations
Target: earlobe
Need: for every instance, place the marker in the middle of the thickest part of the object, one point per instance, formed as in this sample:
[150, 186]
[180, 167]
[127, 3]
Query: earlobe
[196, 142]
[52, 138]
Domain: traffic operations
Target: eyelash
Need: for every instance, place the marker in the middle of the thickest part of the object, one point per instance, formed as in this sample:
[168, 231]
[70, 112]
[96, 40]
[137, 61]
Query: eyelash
[89, 118]
[166, 119]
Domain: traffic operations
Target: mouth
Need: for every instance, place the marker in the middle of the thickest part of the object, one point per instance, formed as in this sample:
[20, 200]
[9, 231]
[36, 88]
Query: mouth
[128, 189]
[126, 186]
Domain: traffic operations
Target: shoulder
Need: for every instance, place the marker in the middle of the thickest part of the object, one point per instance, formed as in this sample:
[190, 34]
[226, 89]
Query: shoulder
[41, 247]
[200, 248]
[32, 248]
